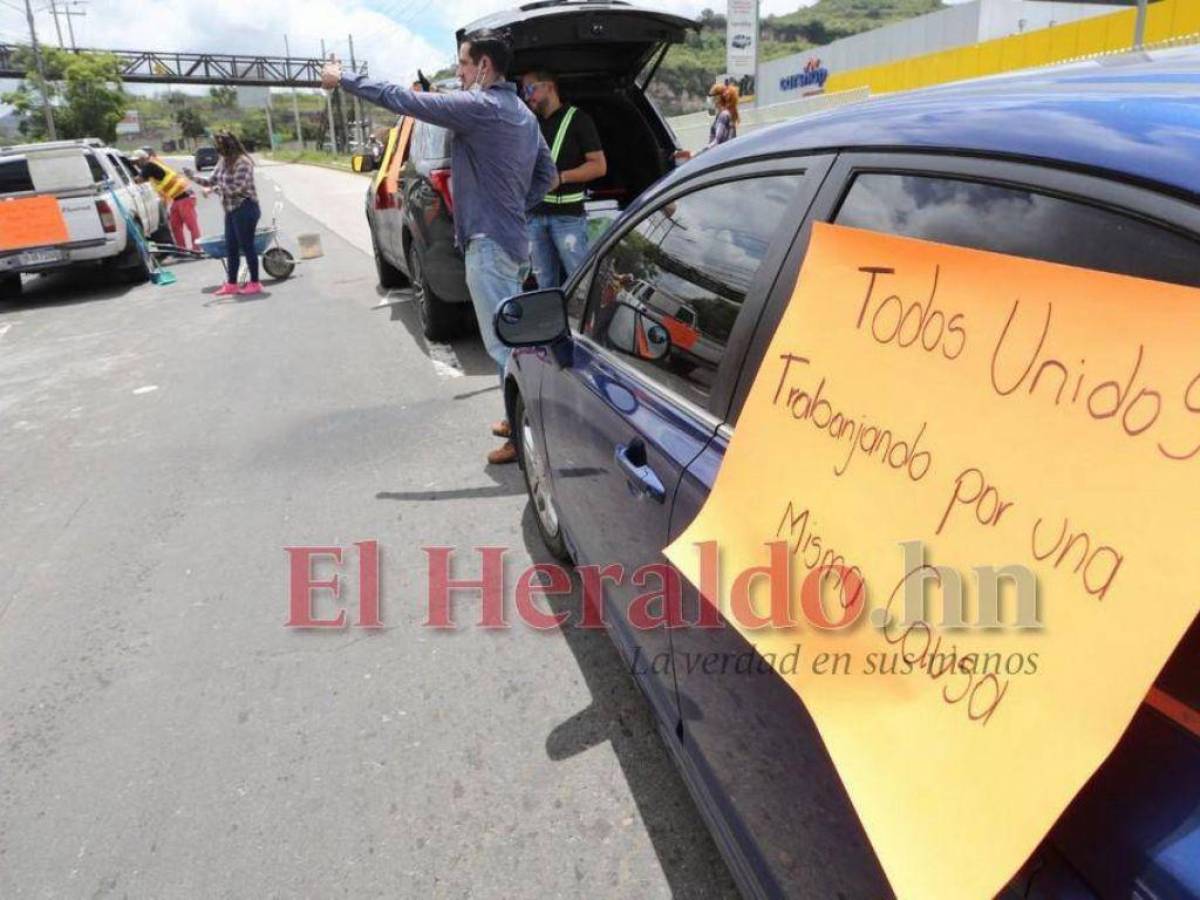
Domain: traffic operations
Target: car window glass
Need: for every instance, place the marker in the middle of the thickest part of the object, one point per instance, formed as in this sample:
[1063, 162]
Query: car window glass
[98, 173]
[116, 164]
[128, 166]
[14, 176]
[1019, 222]
[666, 296]
[432, 143]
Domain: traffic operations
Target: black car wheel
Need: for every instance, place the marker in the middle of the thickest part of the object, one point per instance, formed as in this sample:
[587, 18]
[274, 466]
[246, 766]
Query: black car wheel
[438, 318]
[132, 263]
[389, 275]
[534, 464]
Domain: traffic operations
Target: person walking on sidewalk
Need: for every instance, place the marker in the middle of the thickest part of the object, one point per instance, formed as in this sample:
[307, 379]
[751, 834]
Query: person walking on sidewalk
[558, 229]
[177, 191]
[500, 166]
[233, 179]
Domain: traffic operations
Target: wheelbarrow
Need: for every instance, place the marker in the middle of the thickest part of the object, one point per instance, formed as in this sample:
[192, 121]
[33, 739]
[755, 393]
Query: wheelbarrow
[275, 260]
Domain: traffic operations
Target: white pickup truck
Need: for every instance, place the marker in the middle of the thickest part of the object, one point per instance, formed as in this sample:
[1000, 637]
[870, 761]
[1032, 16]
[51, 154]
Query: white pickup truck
[82, 177]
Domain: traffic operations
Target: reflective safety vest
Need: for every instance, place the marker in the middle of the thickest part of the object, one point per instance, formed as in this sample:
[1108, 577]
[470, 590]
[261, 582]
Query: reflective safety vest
[559, 137]
[171, 186]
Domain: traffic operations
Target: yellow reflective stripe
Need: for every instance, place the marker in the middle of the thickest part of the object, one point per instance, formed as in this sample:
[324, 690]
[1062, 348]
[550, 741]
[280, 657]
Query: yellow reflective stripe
[393, 134]
[561, 135]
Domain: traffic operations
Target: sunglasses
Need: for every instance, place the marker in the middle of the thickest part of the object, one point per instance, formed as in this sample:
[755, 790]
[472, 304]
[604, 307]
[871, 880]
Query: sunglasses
[528, 90]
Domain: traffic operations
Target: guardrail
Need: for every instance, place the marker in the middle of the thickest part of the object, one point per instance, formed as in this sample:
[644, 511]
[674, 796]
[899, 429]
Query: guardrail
[692, 129]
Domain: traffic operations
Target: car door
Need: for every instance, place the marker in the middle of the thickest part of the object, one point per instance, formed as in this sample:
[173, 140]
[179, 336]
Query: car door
[146, 193]
[128, 191]
[748, 738]
[620, 424]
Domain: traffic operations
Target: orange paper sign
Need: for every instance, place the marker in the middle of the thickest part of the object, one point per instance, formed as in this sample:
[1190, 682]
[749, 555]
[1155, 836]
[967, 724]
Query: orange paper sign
[31, 222]
[981, 414]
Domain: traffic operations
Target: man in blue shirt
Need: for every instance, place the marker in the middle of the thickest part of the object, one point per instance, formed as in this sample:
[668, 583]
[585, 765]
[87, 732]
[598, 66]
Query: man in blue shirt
[500, 166]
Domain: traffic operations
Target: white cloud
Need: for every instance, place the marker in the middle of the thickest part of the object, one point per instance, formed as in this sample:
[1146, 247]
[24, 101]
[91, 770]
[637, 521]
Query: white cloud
[394, 51]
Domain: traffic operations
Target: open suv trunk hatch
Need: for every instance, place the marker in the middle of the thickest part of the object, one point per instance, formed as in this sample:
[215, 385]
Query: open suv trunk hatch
[605, 39]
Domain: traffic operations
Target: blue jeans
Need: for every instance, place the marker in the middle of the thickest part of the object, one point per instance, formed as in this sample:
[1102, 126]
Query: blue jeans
[492, 277]
[558, 245]
[239, 239]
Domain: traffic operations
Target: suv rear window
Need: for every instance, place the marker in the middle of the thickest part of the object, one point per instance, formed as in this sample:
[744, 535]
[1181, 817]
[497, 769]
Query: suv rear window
[14, 176]
[1019, 222]
[430, 142]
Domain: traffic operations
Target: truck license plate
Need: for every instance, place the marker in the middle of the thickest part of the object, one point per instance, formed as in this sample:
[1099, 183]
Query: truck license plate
[38, 257]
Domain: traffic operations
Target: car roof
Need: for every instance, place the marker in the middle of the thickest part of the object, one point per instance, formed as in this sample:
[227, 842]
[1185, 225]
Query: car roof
[542, 9]
[1138, 119]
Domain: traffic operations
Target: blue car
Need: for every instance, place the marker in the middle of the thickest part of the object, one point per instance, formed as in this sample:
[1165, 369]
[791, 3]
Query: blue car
[621, 438]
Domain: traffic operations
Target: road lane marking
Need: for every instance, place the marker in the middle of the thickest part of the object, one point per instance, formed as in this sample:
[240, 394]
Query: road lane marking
[146, 389]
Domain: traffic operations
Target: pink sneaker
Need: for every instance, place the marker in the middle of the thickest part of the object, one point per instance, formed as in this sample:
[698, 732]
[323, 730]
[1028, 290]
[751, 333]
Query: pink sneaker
[251, 287]
[228, 289]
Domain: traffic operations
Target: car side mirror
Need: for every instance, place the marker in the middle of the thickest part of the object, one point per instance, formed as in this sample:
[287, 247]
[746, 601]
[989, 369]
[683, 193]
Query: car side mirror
[633, 332]
[360, 162]
[533, 318]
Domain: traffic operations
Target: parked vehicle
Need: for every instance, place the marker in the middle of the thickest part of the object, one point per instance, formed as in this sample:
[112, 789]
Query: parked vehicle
[605, 54]
[1072, 167]
[206, 158]
[80, 175]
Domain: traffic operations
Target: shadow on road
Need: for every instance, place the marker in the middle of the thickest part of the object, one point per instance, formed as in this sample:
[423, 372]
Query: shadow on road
[68, 287]
[620, 716]
[464, 352]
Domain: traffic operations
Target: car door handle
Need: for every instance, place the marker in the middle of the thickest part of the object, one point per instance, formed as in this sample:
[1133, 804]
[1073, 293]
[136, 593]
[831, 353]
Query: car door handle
[631, 458]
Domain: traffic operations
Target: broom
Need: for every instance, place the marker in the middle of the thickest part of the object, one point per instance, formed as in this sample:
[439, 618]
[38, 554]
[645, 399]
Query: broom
[158, 275]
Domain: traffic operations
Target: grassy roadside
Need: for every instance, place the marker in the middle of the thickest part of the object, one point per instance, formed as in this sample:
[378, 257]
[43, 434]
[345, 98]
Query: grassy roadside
[311, 158]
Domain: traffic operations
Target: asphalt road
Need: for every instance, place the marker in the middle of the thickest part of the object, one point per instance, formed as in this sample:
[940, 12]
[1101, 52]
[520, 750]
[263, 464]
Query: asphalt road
[163, 734]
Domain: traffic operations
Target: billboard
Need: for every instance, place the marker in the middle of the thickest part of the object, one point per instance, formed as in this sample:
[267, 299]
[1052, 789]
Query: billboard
[741, 39]
[131, 123]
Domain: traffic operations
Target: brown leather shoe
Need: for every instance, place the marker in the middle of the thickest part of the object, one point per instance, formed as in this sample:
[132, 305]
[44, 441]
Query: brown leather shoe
[502, 429]
[505, 453]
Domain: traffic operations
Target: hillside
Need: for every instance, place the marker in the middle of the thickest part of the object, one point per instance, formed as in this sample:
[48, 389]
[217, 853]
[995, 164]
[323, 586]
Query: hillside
[689, 69]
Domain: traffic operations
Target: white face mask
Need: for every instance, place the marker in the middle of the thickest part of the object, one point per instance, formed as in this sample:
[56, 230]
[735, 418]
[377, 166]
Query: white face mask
[477, 85]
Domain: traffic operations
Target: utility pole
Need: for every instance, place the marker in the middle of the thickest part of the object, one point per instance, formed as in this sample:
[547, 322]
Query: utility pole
[37, 59]
[57, 27]
[68, 12]
[295, 98]
[270, 127]
[362, 138]
[333, 144]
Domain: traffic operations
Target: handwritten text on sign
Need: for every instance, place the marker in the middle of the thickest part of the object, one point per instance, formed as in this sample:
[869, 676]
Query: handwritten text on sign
[31, 222]
[1003, 412]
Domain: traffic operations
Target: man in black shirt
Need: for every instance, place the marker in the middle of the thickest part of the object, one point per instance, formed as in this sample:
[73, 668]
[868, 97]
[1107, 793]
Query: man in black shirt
[558, 234]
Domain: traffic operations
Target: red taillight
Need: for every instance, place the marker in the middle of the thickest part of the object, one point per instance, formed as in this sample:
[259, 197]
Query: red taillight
[441, 184]
[107, 219]
[384, 199]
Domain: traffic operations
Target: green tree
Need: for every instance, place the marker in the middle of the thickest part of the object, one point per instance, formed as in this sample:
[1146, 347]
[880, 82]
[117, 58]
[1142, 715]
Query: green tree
[85, 91]
[223, 96]
[190, 122]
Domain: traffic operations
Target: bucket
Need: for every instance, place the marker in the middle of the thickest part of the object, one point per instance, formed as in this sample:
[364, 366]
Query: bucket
[310, 246]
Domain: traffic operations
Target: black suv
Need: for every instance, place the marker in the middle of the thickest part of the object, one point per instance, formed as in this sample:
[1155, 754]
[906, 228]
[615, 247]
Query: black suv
[605, 54]
[206, 158]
